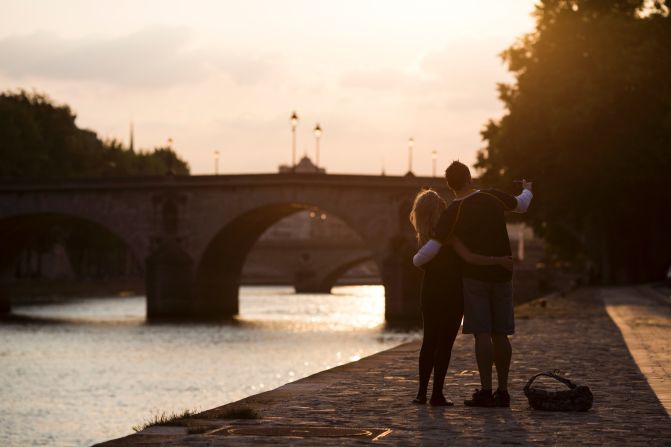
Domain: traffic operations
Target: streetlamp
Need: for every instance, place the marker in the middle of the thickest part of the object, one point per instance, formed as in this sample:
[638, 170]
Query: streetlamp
[318, 134]
[434, 157]
[216, 162]
[411, 144]
[294, 123]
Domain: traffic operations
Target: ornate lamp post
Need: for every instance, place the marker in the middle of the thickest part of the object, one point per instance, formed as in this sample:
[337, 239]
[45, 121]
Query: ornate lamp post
[434, 157]
[216, 162]
[294, 123]
[411, 144]
[318, 134]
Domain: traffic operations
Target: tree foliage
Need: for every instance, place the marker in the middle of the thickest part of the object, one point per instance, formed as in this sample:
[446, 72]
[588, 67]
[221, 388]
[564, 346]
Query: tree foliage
[39, 139]
[589, 120]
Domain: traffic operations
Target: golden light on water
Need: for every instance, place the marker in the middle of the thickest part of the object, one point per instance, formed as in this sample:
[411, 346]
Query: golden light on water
[349, 307]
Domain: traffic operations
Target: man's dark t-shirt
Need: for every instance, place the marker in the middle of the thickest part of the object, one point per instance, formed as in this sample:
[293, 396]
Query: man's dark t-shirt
[478, 221]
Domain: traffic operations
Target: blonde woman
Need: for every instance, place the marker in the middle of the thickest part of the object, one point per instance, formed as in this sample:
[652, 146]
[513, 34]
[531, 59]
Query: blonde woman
[441, 296]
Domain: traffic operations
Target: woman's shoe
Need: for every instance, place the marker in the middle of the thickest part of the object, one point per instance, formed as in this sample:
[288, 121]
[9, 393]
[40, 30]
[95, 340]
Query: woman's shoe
[440, 402]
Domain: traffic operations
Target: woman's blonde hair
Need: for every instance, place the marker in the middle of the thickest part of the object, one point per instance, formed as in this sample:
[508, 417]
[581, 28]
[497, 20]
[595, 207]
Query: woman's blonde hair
[425, 213]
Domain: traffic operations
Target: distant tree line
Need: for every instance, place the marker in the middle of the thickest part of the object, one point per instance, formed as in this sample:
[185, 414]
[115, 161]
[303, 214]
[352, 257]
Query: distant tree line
[40, 139]
[588, 118]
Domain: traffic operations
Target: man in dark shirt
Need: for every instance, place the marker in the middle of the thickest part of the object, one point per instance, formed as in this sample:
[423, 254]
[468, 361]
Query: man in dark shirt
[476, 217]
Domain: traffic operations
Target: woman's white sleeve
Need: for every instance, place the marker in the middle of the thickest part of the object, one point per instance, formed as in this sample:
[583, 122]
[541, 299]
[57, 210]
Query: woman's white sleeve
[427, 252]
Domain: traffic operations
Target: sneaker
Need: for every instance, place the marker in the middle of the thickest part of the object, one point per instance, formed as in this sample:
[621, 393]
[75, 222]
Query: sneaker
[481, 398]
[501, 398]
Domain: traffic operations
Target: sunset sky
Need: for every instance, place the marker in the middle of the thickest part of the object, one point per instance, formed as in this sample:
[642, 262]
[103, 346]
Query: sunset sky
[226, 75]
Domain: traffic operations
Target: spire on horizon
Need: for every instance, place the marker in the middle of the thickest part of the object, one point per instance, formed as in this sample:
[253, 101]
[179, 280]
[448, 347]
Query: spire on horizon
[131, 144]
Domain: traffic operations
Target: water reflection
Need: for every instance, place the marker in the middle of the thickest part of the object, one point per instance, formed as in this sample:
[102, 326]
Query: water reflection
[82, 372]
[354, 307]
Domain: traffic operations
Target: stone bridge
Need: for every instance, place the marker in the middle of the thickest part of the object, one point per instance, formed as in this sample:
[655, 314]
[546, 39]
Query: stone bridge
[192, 233]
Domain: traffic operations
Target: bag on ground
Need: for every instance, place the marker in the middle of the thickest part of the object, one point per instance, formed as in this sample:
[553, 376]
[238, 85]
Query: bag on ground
[576, 398]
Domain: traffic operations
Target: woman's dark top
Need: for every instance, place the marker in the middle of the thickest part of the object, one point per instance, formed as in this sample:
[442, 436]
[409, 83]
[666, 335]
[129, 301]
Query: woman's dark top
[442, 283]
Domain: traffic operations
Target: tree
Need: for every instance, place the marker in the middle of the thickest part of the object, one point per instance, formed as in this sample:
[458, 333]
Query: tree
[39, 139]
[589, 119]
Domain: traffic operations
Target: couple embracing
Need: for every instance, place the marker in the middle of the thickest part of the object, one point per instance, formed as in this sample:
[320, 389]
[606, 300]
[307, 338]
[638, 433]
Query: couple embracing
[466, 257]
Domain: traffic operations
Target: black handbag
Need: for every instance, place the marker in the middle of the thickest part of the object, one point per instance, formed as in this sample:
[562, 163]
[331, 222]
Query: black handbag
[576, 398]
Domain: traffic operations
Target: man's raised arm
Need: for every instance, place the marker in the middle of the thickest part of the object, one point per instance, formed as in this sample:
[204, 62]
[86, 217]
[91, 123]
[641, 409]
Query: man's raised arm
[524, 199]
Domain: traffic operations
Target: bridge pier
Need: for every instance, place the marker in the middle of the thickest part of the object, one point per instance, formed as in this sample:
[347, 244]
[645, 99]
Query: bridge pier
[173, 294]
[217, 295]
[402, 281]
[308, 281]
[169, 283]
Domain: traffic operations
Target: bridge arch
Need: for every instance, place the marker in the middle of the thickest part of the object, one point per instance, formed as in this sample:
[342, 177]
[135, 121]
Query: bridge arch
[324, 281]
[218, 272]
[19, 231]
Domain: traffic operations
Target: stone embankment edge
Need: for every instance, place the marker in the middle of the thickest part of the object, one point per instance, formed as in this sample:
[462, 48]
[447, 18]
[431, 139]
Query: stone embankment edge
[313, 383]
[263, 402]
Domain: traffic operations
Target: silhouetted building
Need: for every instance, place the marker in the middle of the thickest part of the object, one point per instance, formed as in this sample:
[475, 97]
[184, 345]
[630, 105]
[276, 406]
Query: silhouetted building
[304, 166]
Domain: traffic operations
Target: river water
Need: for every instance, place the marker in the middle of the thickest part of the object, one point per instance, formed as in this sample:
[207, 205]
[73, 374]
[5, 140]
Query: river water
[78, 373]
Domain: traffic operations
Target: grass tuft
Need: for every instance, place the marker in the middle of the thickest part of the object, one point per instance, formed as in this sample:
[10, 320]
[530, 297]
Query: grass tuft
[166, 419]
[240, 412]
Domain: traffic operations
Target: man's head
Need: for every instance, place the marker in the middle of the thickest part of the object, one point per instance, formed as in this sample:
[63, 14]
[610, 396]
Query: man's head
[458, 176]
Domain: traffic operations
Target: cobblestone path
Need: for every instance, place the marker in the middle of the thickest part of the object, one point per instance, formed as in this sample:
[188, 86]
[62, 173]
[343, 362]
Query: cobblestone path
[644, 318]
[573, 333]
